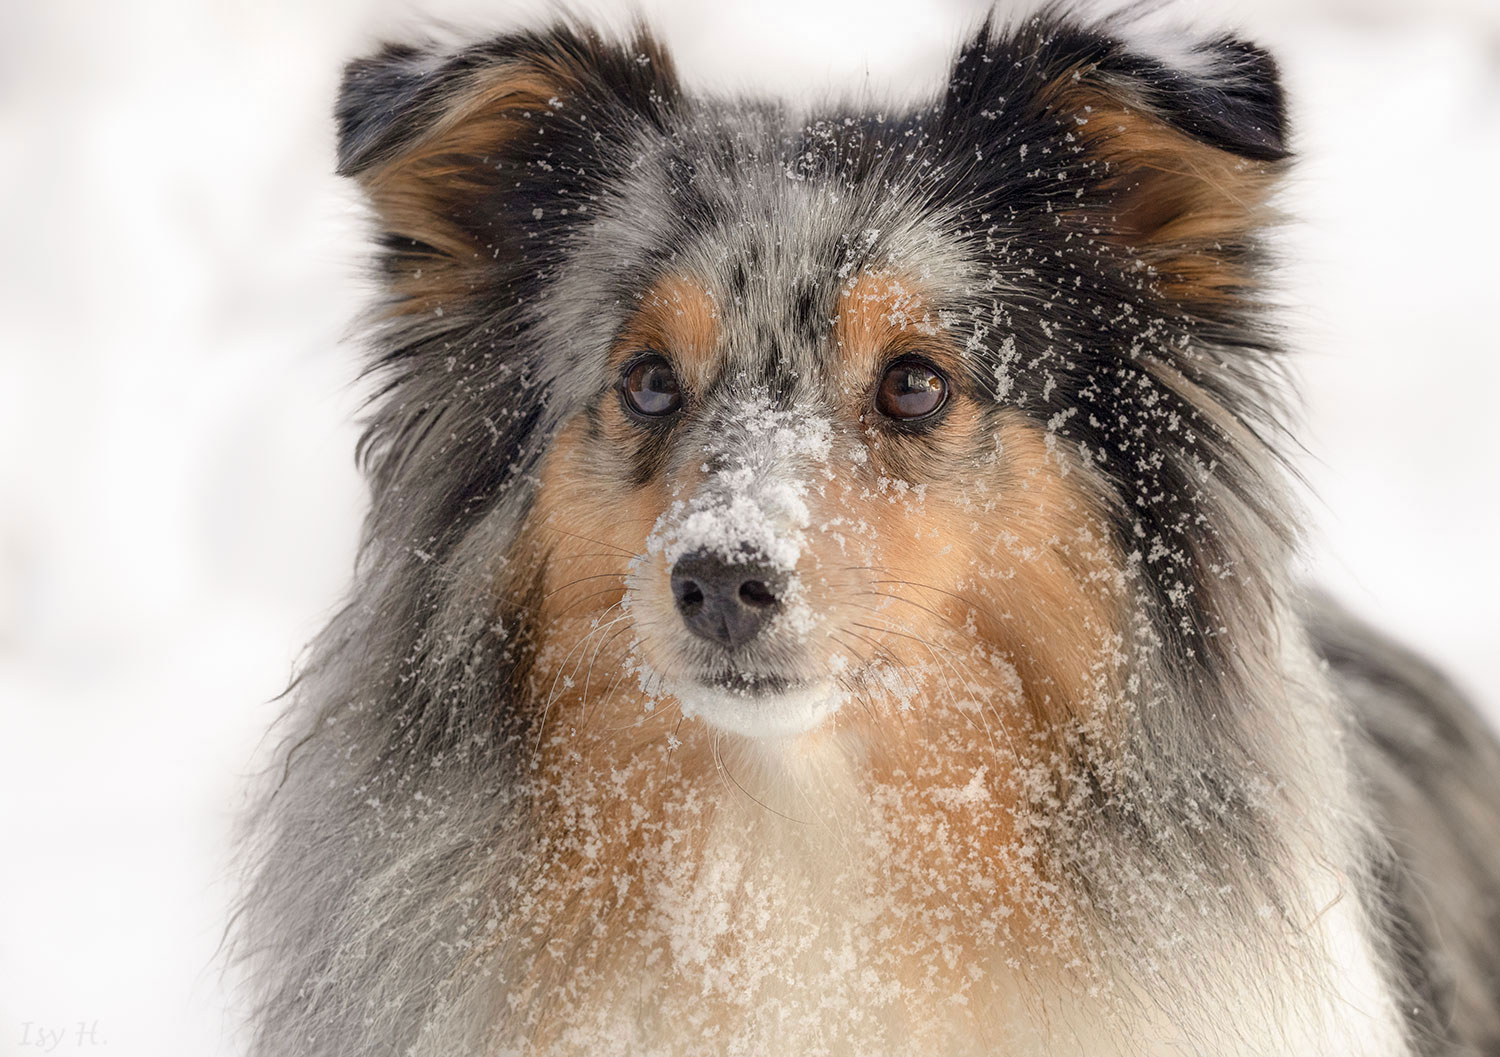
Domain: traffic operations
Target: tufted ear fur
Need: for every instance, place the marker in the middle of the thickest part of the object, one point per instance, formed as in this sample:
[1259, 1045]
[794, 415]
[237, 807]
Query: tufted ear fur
[1172, 157]
[492, 153]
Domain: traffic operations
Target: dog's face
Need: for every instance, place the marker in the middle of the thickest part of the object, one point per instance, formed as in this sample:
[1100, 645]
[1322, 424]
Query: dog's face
[793, 487]
[776, 412]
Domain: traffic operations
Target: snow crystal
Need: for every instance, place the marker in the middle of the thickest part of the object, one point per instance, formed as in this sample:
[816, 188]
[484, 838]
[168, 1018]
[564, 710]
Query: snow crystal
[1007, 359]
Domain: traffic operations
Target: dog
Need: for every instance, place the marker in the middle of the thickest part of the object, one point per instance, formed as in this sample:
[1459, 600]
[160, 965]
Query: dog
[827, 591]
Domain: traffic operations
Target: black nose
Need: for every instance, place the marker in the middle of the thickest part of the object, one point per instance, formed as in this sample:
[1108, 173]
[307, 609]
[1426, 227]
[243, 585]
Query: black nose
[723, 601]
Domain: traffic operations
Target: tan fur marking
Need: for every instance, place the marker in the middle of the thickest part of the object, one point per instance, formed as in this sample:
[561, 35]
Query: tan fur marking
[584, 529]
[1015, 559]
[1050, 600]
[1058, 576]
[678, 318]
[879, 312]
[418, 193]
[1176, 199]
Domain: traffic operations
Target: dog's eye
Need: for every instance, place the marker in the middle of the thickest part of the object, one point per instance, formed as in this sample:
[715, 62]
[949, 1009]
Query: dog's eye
[911, 389]
[650, 387]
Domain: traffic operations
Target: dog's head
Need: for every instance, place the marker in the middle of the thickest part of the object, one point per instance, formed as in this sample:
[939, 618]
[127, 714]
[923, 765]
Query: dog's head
[774, 410]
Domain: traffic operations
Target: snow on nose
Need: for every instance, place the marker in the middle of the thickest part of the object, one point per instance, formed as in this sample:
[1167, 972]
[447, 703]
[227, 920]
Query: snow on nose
[752, 504]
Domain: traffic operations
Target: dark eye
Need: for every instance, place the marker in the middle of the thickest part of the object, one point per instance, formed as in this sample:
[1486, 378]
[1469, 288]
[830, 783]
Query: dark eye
[650, 387]
[911, 389]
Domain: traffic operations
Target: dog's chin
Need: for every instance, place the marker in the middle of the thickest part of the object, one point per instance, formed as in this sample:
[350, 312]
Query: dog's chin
[761, 706]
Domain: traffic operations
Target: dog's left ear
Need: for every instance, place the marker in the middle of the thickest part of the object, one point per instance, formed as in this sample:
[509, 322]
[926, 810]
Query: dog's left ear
[1170, 150]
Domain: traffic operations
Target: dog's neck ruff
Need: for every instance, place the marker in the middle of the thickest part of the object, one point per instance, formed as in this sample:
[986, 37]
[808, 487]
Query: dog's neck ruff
[796, 905]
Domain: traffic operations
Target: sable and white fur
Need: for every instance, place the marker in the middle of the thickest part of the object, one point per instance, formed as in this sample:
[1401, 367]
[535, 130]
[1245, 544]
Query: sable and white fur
[1100, 780]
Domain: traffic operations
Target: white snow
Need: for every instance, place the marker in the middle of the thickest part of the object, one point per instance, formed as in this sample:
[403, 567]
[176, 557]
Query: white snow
[752, 504]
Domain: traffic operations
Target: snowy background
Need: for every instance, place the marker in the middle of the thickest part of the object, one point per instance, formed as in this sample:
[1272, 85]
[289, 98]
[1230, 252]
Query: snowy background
[178, 505]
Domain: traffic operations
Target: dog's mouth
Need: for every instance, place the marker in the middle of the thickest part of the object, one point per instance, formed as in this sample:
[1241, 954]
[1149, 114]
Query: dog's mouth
[749, 684]
[750, 700]
[758, 705]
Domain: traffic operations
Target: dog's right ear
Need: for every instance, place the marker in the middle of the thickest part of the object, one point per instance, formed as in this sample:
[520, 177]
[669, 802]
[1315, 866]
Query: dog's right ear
[473, 156]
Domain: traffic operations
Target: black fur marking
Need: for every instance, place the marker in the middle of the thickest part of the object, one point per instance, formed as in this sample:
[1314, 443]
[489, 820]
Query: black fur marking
[650, 457]
[1238, 107]
[804, 314]
[383, 101]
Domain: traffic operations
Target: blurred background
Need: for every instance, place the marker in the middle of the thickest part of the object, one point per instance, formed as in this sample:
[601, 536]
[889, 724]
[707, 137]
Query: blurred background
[178, 503]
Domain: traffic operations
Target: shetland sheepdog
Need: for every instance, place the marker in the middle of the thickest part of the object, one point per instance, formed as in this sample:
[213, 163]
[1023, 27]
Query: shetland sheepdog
[827, 591]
